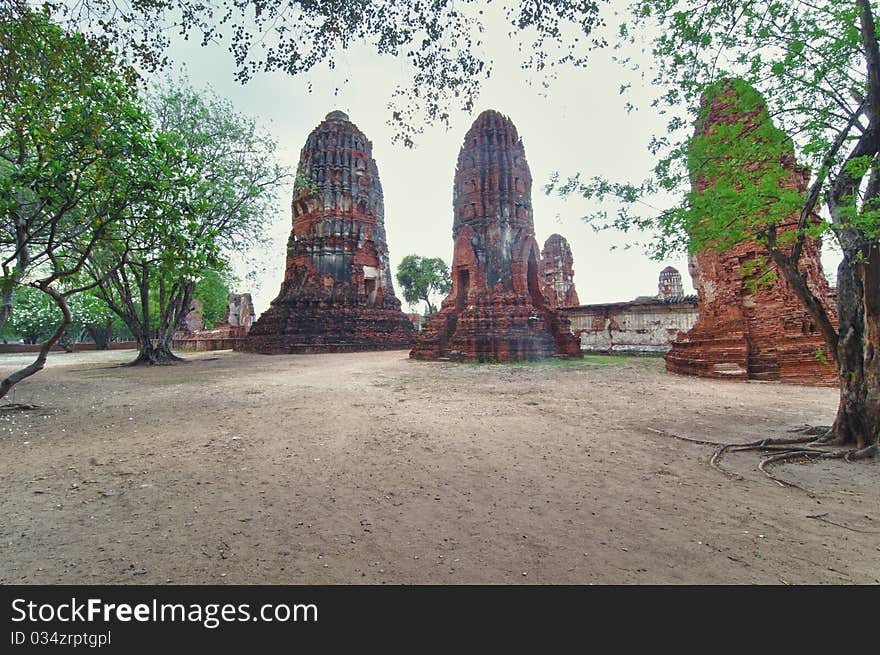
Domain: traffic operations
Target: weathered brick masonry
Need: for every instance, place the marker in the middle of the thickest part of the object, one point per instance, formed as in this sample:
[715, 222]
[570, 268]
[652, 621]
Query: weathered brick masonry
[337, 294]
[745, 332]
[557, 273]
[496, 310]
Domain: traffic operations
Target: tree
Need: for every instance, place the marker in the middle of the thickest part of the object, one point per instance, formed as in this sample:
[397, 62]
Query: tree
[92, 316]
[35, 317]
[422, 277]
[213, 292]
[441, 40]
[817, 65]
[214, 191]
[72, 140]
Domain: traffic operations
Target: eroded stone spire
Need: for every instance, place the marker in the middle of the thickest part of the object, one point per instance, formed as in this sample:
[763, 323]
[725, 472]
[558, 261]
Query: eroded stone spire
[496, 310]
[337, 293]
[557, 273]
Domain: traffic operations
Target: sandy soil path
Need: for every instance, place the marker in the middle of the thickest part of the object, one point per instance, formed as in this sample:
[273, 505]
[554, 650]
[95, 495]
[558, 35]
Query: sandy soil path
[243, 468]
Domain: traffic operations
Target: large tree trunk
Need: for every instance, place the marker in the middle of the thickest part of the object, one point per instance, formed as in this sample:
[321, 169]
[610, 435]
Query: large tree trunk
[858, 350]
[150, 352]
[101, 334]
[153, 353]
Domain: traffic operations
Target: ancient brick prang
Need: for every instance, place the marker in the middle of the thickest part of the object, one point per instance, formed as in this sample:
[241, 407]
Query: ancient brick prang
[751, 328]
[669, 285]
[337, 293]
[496, 310]
[557, 273]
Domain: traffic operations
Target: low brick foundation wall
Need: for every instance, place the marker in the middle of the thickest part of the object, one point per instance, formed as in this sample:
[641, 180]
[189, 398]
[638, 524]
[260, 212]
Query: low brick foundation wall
[638, 326]
[6, 348]
[205, 344]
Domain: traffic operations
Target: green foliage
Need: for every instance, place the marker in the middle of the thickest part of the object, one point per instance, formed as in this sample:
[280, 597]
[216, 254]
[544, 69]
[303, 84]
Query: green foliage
[757, 274]
[741, 169]
[35, 315]
[216, 180]
[213, 292]
[800, 65]
[423, 277]
[441, 40]
[71, 146]
[813, 68]
[74, 149]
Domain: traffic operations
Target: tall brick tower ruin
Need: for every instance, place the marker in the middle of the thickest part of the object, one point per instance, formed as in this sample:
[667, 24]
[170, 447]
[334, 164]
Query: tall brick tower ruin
[751, 331]
[495, 311]
[557, 273]
[337, 294]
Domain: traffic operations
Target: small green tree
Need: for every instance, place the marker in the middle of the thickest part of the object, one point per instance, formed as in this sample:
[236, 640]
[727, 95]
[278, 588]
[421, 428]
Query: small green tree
[35, 316]
[423, 277]
[213, 292]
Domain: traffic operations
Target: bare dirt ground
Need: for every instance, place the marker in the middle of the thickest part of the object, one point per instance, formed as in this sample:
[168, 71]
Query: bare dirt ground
[240, 468]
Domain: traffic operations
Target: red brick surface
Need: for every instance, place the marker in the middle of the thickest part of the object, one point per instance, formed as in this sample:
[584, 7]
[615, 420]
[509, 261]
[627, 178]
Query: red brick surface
[337, 294]
[763, 334]
[496, 310]
[557, 273]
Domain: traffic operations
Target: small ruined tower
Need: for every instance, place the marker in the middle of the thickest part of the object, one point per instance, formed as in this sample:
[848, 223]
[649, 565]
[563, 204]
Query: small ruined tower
[337, 293]
[557, 273]
[669, 285]
[496, 310]
[750, 326]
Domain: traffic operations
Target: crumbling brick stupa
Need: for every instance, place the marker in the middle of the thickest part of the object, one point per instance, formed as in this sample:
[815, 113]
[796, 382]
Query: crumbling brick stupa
[747, 331]
[557, 273]
[496, 310]
[337, 294]
[193, 335]
[669, 283]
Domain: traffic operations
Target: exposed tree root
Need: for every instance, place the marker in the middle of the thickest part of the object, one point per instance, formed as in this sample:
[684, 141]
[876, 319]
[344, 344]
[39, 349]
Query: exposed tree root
[821, 517]
[164, 358]
[702, 442]
[789, 449]
[816, 430]
[17, 407]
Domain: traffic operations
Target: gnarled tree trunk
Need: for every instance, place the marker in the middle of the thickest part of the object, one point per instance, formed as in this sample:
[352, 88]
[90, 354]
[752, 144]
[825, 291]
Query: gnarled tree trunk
[858, 349]
[10, 381]
[153, 351]
[101, 334]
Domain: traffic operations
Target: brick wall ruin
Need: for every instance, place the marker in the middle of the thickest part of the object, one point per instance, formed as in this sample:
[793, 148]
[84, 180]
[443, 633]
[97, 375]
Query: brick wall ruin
[749, 331]
[641, 326]
[223, 336]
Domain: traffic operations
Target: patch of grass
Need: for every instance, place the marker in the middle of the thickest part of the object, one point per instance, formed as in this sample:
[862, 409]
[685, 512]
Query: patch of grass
[590, 360]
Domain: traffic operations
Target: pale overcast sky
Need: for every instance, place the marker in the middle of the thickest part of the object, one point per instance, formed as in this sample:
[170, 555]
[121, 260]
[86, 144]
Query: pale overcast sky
[579, 124]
